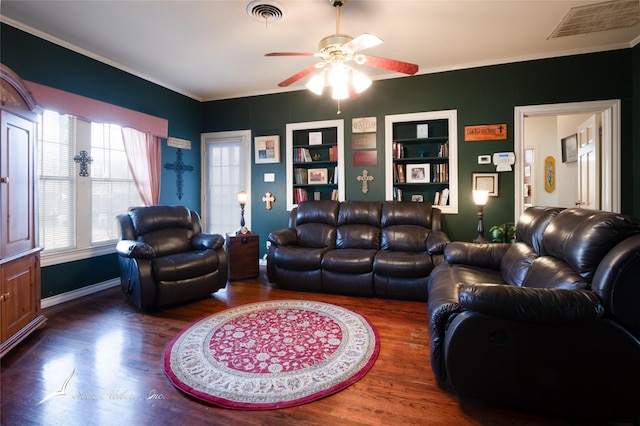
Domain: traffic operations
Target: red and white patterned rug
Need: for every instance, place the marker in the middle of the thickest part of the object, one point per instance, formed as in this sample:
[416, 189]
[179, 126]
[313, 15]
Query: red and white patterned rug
[270, 355]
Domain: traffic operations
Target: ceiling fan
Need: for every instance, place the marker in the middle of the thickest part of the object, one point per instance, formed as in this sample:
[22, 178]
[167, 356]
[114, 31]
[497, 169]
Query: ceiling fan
[335, 53]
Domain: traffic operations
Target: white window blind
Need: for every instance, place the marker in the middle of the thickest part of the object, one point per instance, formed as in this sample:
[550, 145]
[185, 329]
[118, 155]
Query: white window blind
[78, 212]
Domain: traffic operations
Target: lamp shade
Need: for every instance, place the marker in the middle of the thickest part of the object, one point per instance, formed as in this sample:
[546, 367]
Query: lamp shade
[480, 197]
[242, 198]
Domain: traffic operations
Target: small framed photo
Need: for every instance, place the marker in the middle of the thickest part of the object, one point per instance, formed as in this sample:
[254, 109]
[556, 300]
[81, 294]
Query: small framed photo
[417, 198]
[487, 182]
[267, 149]
[418, 173]
[569, 148]
[318, 176]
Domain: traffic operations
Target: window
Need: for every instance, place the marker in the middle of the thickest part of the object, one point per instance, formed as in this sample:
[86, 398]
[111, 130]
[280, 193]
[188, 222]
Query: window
[84, 182]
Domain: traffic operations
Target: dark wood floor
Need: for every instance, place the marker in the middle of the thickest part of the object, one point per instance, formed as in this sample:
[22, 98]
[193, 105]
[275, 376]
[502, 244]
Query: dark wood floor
[110, 354]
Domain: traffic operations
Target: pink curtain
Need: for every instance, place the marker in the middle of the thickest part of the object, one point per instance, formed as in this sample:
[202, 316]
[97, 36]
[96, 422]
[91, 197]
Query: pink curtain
[143, 156]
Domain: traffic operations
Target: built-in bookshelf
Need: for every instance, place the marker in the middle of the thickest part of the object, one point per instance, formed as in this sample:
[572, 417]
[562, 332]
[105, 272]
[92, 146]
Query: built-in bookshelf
[314, 161]
[421, 158]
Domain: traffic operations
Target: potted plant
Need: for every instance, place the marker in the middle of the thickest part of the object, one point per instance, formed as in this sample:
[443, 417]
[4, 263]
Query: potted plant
[505, 233]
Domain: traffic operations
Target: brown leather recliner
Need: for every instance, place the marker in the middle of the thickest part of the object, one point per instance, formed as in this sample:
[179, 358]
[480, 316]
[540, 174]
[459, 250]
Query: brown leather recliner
[166, 259]
[550, 323]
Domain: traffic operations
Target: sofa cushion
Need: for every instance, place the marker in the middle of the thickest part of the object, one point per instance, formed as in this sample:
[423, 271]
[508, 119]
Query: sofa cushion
[549, 272]
[532, 223]
[359, 225]
[299, 258]
[316, 235]
[350, 261]
[182, 266]
[168, 241]
[403, 264]
[404, 238]
[583, 237]
[516, 262]
[401, 213]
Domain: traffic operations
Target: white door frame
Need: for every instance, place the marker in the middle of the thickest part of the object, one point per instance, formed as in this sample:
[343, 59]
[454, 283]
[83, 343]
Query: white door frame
[245, 147]
[610, 153]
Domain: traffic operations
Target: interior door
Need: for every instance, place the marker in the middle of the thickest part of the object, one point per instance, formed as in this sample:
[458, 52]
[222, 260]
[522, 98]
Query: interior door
[589, 163]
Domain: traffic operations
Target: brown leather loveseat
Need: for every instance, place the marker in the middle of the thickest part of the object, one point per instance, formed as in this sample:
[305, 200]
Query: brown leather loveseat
[166, 259]
[384, 249]
[550, 323]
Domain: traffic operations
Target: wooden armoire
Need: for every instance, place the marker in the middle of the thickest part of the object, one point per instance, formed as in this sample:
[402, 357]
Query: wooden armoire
[20, 312]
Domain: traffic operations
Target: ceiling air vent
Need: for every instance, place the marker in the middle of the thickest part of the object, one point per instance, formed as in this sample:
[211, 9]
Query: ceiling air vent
[605, 16]
[265, 11]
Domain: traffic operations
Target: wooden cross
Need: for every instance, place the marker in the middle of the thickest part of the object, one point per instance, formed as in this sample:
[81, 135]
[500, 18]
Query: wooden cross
[179, 167]
[268, 198]
[365, 178]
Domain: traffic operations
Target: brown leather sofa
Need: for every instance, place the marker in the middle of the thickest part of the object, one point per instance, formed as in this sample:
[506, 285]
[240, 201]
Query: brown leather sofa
[550, 323]
[166, 259]
[384, 249]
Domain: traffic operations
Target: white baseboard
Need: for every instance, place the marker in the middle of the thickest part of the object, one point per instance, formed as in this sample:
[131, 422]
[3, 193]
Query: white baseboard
[75, 294]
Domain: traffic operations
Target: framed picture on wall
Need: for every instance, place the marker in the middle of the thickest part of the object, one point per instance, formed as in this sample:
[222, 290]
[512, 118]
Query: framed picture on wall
[267, 149]
[569, 148]
[486, 182]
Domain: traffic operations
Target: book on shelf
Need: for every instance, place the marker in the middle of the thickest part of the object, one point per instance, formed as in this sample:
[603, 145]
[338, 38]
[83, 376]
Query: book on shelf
[317, 195]
[333, 153]
[441, 198]
[299, 195]
[398, 150]
[397, 194]
[300, 176]
[443, 150]
[400, 168]
[302, 155]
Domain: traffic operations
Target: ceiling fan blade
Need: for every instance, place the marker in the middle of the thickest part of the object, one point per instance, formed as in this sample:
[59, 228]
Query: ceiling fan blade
[298, 76]
[391, 64]
[363, 41]
[290, 54]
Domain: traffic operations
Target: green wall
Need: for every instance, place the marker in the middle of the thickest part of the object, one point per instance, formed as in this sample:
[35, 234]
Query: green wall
[485, 95]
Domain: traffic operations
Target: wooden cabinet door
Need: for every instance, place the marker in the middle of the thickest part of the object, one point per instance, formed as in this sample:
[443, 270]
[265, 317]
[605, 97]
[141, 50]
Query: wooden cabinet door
[17, 185]
[20, 296]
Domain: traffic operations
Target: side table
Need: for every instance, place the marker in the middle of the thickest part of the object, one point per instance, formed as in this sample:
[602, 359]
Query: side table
[243, 251]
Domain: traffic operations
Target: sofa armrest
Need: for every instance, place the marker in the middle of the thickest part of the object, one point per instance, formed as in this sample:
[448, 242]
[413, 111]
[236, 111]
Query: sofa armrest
[283, 237]
[135, 249]
[437, 241]
[533, 305]
[205, 241]
[488, 255]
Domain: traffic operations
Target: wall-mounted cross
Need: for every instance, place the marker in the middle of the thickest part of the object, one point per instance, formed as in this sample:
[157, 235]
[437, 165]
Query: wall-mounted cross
[365, 179]
[179, 167]
[268, 198]
[84, 161]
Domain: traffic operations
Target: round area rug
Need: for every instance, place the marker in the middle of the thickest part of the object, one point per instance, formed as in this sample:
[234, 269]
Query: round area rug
[274, 354]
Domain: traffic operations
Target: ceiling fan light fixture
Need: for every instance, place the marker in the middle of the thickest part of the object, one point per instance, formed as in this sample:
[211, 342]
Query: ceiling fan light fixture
[360, 81]
[340, 92]
[316, 84]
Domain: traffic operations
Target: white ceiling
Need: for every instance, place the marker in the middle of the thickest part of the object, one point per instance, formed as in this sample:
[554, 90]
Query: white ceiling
[213, 50]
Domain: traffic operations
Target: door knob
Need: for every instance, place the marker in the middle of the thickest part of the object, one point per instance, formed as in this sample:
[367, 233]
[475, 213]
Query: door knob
[4, 179]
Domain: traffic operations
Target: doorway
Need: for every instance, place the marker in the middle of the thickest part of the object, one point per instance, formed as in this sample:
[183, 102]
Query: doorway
[226, 170]
[609, 178]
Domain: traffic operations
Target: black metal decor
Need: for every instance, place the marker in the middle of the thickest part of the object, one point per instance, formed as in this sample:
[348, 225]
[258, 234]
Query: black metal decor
[84, 160]
[179, 167]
